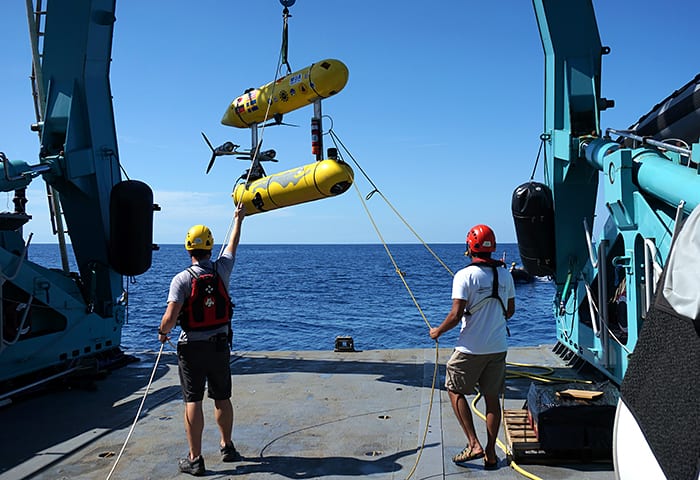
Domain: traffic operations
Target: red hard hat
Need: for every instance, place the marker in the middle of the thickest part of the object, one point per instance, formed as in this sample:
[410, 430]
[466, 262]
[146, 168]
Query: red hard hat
[481, 239]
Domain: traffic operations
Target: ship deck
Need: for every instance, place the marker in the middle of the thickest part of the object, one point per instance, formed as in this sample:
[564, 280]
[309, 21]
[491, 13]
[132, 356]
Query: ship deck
[298, 414]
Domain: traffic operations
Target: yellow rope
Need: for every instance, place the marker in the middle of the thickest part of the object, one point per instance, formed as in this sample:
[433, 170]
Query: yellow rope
[415, 233]
[400, 273]
[391, 257]
[338, 142]
[420, 310]
[430, 409]
[545, 377]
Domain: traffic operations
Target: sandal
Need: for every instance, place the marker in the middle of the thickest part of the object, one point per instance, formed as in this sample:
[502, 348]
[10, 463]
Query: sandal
[466, 455]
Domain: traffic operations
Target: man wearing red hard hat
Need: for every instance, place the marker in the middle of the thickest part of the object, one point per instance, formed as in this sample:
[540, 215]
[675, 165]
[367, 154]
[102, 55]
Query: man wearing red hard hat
[483, 298]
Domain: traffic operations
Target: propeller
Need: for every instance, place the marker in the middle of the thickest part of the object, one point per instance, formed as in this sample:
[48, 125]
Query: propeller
[277, 120]
[227, 148]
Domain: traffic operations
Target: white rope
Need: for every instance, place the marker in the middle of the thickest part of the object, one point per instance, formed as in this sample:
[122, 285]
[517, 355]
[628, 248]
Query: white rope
[593, 309]
[138, 413]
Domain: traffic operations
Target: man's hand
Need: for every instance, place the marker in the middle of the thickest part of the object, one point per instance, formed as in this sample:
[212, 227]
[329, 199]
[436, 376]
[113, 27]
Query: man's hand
[239, 213]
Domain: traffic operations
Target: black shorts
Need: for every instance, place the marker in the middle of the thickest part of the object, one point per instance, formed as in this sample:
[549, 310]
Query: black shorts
[203, 363]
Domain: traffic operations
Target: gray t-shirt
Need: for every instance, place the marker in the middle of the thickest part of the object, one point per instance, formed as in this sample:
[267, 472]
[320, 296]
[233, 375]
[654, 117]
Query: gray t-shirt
[181, 287]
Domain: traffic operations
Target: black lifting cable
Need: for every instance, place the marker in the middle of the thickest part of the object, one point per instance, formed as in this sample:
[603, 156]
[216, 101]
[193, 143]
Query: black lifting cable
[285, 36]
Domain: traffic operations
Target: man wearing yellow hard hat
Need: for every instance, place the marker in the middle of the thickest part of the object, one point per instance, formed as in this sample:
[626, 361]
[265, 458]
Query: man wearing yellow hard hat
[199, 299]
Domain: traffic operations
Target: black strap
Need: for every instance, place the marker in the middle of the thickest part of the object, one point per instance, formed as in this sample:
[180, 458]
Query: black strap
[494, 294]
[494, 291]
[195, 275]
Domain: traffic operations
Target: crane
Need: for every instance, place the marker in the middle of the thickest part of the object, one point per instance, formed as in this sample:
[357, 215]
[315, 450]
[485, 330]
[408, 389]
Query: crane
[56, 321]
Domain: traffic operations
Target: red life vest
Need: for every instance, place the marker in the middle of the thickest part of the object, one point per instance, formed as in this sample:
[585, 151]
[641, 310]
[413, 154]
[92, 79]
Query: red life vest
[208, 306]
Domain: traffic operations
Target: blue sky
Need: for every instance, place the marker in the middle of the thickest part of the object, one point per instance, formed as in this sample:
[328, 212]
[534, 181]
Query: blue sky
[443, 107]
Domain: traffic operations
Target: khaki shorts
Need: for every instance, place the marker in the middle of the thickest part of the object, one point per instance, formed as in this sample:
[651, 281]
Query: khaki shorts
[465, 370]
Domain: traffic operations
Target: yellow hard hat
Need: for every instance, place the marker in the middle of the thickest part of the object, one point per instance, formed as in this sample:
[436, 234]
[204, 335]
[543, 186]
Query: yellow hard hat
[199, 237]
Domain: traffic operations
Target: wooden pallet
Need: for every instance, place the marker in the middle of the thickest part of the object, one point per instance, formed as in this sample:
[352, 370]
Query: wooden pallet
[521, 437]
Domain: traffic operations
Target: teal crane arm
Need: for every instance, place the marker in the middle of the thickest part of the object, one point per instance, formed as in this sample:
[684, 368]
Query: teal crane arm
[78, 135]
[647, 187]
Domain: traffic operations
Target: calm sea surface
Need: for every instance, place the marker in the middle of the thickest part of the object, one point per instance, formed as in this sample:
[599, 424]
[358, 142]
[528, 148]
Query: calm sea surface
[300, 297]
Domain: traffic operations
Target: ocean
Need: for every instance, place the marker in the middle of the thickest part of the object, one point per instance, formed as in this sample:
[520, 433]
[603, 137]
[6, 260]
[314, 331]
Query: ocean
[301, 297]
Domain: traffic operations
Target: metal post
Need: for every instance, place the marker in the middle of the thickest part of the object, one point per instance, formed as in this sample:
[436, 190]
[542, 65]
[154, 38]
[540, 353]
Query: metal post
[603, 301]
[317, 131]
[253, 139]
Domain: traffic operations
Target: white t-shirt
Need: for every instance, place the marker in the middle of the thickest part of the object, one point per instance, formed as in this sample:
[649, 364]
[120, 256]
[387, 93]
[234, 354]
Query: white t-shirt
[485, 330]
[181, 286]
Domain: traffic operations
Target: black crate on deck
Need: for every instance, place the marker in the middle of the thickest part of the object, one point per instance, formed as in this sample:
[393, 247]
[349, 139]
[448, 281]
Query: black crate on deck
[573, 427]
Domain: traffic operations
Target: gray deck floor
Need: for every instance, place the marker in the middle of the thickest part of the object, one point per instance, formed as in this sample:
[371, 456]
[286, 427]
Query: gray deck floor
[304, 414]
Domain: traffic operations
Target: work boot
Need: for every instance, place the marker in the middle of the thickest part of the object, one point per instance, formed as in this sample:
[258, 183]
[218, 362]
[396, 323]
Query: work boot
[229, 453]
[193, 467]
